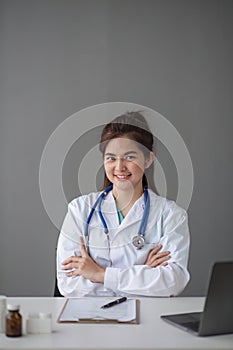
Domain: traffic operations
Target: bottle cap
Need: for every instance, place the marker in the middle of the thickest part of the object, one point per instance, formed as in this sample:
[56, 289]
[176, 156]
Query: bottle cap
[33, 315]
[44, 315]
[11, 307]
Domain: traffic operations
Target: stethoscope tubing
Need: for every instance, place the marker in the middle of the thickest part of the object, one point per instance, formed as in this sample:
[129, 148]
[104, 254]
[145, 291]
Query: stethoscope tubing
[97, 204]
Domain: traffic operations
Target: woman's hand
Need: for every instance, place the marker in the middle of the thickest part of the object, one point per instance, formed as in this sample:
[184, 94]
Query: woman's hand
[154, 258]
[84, 266]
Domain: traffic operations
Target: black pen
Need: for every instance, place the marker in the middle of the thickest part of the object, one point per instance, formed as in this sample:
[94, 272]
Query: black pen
[115, 302]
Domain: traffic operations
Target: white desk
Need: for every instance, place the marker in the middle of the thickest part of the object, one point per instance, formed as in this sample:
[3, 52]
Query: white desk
[151, 333]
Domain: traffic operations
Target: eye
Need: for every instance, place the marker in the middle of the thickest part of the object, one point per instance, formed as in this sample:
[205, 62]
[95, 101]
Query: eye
[129, 158]
[110, 158]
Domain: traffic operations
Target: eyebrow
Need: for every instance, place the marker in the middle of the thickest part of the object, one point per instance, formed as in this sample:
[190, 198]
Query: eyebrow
[125, 154]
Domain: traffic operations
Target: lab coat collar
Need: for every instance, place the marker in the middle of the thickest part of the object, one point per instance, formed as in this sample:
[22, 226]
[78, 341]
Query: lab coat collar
[133, 216]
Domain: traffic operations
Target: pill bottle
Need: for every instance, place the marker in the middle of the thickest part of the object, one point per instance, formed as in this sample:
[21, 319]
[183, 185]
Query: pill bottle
[2, 313]
[13, 321]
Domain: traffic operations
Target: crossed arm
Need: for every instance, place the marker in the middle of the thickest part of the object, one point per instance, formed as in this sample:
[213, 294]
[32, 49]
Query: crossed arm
[85, 266]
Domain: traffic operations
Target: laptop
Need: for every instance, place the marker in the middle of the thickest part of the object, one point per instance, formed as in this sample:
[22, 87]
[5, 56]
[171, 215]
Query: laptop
[217, 316]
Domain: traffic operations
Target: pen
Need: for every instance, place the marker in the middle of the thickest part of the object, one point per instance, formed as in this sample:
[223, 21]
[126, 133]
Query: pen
[115, 302]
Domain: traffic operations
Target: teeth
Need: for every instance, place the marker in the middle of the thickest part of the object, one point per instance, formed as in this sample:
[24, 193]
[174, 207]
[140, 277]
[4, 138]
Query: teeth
[122, 176]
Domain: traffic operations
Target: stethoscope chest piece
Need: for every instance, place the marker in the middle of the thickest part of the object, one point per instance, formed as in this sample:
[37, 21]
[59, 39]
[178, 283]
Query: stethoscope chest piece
[138, 241]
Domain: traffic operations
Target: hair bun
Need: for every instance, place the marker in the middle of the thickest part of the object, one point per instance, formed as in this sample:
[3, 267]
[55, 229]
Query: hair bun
[134, 118]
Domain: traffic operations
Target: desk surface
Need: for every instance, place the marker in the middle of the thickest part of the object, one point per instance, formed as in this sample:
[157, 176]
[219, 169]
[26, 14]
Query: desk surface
[151, 333]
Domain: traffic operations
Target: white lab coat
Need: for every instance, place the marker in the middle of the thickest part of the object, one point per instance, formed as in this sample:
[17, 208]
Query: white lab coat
[125, 272]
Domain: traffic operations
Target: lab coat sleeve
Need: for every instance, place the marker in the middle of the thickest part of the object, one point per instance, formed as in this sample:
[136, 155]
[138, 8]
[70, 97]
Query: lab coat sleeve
[68, 245]
[167, 280]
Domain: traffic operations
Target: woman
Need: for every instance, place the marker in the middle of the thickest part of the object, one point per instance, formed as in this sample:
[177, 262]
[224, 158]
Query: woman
[134, 242]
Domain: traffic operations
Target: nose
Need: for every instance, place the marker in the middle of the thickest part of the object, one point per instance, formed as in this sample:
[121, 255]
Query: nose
[120, 164]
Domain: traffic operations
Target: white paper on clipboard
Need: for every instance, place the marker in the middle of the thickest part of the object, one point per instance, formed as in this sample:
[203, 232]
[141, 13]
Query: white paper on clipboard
[78, 309]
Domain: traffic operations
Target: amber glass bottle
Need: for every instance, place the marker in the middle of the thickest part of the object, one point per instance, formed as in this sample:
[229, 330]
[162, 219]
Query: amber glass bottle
[13, 321]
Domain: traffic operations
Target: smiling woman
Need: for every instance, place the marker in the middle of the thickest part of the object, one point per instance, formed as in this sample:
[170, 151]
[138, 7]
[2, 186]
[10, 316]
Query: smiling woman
[131, 126]
[126, 240]
[124, 165]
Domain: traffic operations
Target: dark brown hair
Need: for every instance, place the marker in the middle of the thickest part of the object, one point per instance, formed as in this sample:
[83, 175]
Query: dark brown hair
[135, 127]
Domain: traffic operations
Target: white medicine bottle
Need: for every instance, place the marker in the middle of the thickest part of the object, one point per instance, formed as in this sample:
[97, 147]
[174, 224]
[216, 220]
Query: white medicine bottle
[2, 313]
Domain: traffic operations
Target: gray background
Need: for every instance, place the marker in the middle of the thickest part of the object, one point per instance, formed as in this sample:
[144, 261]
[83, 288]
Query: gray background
[59, 56]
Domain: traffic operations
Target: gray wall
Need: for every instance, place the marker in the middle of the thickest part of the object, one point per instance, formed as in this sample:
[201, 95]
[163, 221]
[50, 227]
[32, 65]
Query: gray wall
[59, 56]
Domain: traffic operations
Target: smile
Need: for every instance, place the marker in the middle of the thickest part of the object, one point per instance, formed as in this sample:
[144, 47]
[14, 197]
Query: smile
[122, 177]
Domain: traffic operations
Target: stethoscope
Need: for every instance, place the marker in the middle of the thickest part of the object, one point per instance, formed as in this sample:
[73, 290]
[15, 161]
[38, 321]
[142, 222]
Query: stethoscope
[139, 240]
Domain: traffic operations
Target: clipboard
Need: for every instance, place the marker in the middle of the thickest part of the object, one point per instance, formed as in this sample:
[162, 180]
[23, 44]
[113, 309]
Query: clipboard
[88, 310]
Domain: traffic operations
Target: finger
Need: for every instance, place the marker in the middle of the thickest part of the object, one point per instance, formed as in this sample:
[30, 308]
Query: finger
[160, 255]
[158, 262]
[82, 247]
[159, 258]
[69, 260]
[72, 273]
[155, 251]
[72, 264]
[69, 274]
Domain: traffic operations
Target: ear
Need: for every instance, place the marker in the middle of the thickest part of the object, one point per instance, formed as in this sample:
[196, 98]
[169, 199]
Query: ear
[150, 160]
